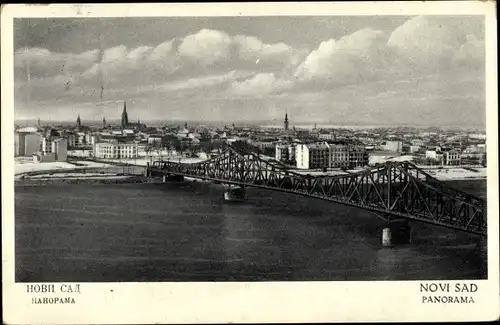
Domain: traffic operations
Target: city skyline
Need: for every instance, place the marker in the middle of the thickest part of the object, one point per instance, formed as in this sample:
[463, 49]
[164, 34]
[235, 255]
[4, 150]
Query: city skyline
[365, 70]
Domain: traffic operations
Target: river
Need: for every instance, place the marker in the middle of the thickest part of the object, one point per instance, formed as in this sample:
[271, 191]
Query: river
[186, 232]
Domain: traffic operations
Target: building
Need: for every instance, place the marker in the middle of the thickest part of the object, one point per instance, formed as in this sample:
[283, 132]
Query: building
[347, 156]
[476, 158]
[325, 155]
[452, 157]
[19, 144]
[39, 157]
[414, 148]
[339, 156]
[434, 156]
[311, 156]
[326, 136]
[60, 149]
[126, 124]
[285, 152]
[358, 156]
[286, 121]
[20, 135]
[52, 149]
[31, 143]
[46, 146]
[155, 139]
[396, 146]
[116, 150]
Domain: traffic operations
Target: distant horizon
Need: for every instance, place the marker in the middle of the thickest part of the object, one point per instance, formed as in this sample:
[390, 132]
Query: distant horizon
[260, 123]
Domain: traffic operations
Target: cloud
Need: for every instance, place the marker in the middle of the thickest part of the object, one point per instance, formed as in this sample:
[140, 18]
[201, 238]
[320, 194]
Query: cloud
[420, 46]
[44, 63]
[427, 42]
[353, 58]
[260, 84]
[207, 52]
[471, 52]
[270, 57]
[206, 47]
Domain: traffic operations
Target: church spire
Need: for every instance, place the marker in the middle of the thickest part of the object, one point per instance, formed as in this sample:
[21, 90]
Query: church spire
[286, 121]
[78, 121]
[124, 115]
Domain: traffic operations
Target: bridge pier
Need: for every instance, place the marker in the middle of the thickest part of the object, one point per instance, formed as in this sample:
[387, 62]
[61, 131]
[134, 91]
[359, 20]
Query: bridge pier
[172, 178]
[234, 193]
[396, 232]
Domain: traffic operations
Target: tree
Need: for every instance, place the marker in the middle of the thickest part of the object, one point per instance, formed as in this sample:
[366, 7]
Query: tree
[243, 146]
[206, 146]
[148, 150]
[182, 147]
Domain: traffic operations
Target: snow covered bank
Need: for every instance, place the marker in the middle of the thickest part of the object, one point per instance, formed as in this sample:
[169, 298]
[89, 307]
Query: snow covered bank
[23, 165]
[451, 174]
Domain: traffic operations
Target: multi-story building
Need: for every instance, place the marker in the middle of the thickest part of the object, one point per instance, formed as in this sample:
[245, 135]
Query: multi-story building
[281, 152]
[116, 150]
[347, 156]
[52, 149]
[396, 146]
[60, 149]
[435, 155]
[452, 157]
[358, 156]
[324, 155]
[26, 141]
[339, 156]
[31, 143]
[314, 155]
[326, 136]
[19, 143]
[414, 148]
[80, 139]
[46, 146]
[473, 158]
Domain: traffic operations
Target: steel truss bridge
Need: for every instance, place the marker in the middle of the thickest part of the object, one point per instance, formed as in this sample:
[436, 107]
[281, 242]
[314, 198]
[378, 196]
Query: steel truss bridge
[394, 190]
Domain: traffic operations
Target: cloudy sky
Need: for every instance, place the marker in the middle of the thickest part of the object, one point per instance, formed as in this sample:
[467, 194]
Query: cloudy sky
[426, 70]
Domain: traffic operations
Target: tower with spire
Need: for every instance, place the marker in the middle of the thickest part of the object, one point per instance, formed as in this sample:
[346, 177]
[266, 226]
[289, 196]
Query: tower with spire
[103, 122]
[124, 116]
[78, 121]
[286, 121]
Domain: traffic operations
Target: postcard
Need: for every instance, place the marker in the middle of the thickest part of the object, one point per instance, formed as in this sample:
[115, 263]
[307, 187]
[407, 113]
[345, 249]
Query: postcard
[250, 162]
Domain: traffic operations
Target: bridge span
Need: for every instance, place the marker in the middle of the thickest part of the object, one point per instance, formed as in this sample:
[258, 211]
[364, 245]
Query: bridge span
[395, 191]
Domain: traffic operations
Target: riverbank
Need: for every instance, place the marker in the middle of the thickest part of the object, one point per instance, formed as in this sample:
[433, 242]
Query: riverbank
[26, 170]
[114, 179]
[23, 165]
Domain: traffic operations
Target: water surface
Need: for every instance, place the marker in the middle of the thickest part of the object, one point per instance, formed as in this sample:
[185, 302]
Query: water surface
[186, 232]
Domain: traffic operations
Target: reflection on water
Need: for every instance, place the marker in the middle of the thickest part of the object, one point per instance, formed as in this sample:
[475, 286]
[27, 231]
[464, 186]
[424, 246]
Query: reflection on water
[186, 232]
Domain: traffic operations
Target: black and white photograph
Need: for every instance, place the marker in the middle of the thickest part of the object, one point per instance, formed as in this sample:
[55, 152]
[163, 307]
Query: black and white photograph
[250, 148]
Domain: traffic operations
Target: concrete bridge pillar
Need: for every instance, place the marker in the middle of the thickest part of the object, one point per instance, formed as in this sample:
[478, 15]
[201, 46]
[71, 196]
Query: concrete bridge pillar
[234, 193]
[175, 178]
[396, 232]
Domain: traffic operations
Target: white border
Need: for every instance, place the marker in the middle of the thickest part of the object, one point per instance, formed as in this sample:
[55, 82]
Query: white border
[120, 303]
